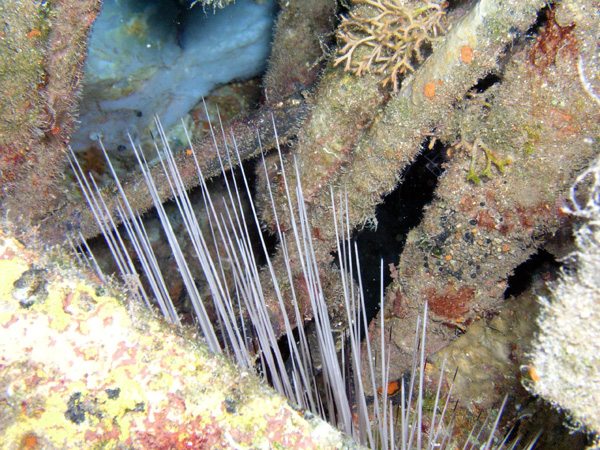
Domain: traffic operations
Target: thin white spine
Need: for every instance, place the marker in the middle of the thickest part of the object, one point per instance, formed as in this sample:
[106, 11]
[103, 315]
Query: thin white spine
[234, 233]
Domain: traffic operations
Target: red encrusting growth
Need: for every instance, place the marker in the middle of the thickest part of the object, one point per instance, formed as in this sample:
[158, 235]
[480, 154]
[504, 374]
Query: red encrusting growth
[450, 303]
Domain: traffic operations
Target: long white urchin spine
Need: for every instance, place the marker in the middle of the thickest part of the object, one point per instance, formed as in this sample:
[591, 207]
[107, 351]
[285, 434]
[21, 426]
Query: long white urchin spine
[378, 430]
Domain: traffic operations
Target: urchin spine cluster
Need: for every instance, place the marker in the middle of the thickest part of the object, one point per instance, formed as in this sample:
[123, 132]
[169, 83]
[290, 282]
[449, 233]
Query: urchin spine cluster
[346, 407]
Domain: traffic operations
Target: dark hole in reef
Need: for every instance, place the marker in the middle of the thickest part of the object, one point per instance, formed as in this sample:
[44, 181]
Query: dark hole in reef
[543, 15]
[485, 83]
[541, 264]
[558, 432]
[400, 211]
[283, 343]
[251, 169]
[518, 38]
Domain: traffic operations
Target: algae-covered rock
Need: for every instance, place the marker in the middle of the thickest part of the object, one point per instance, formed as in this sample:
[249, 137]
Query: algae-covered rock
[82, 366]
[565, 367]
[473, 235]
[42, 51]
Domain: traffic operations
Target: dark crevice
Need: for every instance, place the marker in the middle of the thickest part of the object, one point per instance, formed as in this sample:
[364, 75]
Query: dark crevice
[542, 264]
[252, 168]
[400, 211]
[519, 39]
[485, 83]
[541, 20]
[558, 430]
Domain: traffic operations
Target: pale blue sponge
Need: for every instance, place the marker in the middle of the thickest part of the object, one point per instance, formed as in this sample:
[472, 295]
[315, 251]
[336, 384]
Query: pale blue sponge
[149, 57]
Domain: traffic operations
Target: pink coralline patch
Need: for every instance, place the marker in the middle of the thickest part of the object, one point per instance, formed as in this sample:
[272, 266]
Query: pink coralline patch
[79, 352]
[125, 355]
[144, 372]
[176, 403]
[102, 434]
[13, 319]
[278, 433]
[8, 254]
[67, 303]
[242, 437]
[159, 434]
[170, 440]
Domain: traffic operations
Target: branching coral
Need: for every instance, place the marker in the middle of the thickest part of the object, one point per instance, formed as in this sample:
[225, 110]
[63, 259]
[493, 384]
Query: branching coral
[388, 36]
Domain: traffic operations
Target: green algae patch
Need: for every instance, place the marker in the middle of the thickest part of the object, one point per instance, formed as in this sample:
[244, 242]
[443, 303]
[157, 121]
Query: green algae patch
[86, 370]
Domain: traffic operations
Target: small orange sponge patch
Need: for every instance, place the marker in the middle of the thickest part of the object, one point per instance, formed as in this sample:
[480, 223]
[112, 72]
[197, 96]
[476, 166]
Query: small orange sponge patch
[429, 90]
[393, 388]
[466, 54]
[534, 375]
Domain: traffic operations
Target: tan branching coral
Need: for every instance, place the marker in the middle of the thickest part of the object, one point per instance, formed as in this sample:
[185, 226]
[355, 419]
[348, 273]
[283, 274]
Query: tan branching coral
[388, 36]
